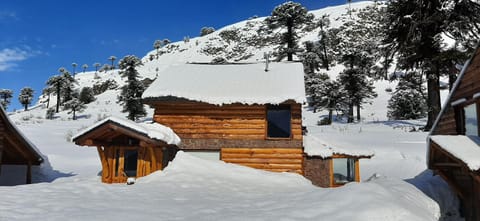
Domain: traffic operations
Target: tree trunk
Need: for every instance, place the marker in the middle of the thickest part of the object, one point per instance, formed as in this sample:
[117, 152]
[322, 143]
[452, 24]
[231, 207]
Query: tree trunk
[74, 116]
[358, 112]
[350, 113]
[290, 40]
[330, 116]
[433, 97]
[26, 107]
[325, 61]
[58, 99]
[48, 100]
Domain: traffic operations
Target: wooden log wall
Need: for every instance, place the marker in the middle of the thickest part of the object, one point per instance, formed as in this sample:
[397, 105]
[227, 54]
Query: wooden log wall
[150, 159]
[270, 159]
[2, 135]
[194, 120]
[469, 85]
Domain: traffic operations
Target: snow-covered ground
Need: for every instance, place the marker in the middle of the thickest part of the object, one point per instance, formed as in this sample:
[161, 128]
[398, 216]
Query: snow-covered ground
[395, 183]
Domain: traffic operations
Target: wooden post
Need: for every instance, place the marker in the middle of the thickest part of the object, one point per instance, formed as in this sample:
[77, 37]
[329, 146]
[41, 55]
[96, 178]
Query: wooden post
[357, 170]
[29, 172]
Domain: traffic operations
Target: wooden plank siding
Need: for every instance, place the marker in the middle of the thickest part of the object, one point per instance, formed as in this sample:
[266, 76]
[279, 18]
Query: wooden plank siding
[270, 159]
[194, 120]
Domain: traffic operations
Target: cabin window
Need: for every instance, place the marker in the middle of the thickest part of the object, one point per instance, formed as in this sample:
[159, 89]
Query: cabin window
[130, 163]
[343, 170]
[471, 120]
[278, 121]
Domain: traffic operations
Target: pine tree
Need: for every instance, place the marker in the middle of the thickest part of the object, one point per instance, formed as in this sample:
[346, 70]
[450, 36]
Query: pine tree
[414, 30]
[408, 101]
[325, 41]
[358, 90]
[112, 59]
[74, 105]
[56, 82]
[74, 65]
[84, 66]
[291, 15]
[131, 94]
[67, 86]
[157, 45]
[5, 97]
[86, 95]
[324, 94]
[25, 97]
[96, 65]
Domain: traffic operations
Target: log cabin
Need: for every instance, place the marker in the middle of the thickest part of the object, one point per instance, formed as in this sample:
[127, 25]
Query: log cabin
[454, 143]
[128, 149]
[329, 165]
[238, 113]
[15, 151]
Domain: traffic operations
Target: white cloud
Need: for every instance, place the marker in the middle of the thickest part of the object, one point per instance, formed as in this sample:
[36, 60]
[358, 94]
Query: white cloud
[9, 57]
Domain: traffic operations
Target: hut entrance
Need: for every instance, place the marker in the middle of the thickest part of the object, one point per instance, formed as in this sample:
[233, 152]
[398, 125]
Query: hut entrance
[127, 149]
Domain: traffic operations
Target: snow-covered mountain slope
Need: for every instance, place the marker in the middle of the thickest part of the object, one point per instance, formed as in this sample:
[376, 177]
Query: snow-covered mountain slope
[395, 185]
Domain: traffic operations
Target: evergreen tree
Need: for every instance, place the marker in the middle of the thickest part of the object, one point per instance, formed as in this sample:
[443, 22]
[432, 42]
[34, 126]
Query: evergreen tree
[96, 65]
[157, 45]
[5, 97]
[408, 101]
[166, 41]
[74, 65]
[414, 30]
[67, 86]
[291, 15]
[311, 62]
[206, 30]
[84, 66]
[112, 59]
[50, 113]
[131, 94]
[25, 97]
[47, 91]
[325, 41]
[358, 90]
[56, 82]
[86, 95]
[74, 105]
[324, 94]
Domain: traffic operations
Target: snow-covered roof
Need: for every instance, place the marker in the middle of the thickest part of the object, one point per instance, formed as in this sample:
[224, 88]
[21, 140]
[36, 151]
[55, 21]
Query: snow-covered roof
[231, 83]
[151, 130]
[32, 148]
[465, 148]
[315, 146]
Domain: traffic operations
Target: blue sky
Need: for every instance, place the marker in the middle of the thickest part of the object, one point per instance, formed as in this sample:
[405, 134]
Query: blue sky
[38, 37]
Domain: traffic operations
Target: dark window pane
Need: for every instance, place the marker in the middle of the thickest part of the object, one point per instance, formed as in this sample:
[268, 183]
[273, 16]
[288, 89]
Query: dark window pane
[343, 170]
[130, 163]
[279, 118]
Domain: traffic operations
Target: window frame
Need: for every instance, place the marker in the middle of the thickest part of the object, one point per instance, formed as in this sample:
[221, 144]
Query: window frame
[460, 117]
[356, 170]
[280, 106]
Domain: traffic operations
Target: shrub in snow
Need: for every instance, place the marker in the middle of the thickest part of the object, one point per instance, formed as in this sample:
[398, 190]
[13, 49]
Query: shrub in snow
[408, 101]
[50, 114]
[74, 105]
[103, 86]
[86, 95]
[218, 60]
[230, 35]
[206, 30]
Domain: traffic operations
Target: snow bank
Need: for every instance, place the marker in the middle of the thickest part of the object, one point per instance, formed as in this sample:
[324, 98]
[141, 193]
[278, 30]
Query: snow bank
[315, 146]
[152, 130]
[465, 148]
[233, 83]
[196, 189]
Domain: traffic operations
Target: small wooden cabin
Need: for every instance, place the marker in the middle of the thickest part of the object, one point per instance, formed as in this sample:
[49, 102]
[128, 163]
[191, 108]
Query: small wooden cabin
[16, 149]
[237, 113]
[328, 165]
[128, 149]
[454, 142]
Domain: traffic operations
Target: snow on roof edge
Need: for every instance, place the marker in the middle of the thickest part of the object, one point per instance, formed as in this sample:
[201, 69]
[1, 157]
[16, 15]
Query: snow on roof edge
[315, 146]
[152, 130]
[33, 147]
[465, 148]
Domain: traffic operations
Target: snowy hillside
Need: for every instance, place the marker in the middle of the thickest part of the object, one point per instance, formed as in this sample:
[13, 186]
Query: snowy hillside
[396, 185]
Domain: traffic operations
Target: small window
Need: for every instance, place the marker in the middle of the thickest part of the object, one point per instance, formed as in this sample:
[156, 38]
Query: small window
[471, 121]
[343, 170]
[279, 121]
[130, 163]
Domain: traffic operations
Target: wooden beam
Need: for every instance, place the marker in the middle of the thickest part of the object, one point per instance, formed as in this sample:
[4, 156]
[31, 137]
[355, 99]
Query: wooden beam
[456, 165]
